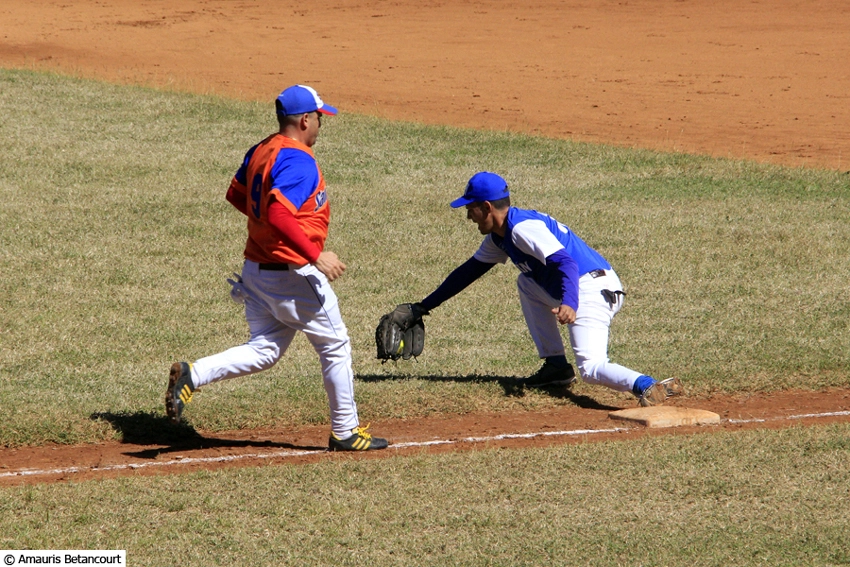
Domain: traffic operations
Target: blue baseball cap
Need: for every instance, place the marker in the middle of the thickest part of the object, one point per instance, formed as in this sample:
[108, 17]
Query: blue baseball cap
[300, 99]
[483, 186]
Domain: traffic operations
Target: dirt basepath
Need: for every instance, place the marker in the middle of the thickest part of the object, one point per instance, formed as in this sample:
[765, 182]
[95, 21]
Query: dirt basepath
[146, 453]
[768, 81]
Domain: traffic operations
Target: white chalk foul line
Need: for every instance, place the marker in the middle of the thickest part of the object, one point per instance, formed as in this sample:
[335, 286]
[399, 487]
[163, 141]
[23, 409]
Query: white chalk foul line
[799, 416]
[290, 454]
[134, 466]
[504, 436]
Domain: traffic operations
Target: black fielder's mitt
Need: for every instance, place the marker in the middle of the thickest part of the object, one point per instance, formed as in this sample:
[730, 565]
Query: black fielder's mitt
[401, 333]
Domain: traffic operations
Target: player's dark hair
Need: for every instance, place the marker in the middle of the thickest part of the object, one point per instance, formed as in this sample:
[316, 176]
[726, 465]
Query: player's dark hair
[284, 120]
[501, 204]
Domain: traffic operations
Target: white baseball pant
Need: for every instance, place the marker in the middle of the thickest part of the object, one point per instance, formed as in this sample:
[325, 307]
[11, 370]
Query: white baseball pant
[277, 305]
[589, 333]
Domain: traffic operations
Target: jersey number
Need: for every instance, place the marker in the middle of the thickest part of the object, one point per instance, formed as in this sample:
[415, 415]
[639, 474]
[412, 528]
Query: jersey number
[256, 192]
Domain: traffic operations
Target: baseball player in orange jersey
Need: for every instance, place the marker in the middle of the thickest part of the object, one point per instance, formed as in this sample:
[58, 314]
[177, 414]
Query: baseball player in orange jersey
[285, 278]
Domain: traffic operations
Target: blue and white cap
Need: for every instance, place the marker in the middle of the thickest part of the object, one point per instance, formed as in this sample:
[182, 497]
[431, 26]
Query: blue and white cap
[483, 186]
[301, 99]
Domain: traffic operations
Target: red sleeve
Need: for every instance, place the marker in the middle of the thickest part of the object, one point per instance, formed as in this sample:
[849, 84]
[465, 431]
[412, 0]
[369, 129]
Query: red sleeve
[287, 227]
[237, 198]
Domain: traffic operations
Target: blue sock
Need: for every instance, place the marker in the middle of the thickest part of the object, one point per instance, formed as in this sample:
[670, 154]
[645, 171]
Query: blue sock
[641, 384]
[559, 361]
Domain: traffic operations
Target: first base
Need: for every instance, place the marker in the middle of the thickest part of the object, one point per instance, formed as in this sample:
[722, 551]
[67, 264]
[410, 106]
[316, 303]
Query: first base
[666, 416]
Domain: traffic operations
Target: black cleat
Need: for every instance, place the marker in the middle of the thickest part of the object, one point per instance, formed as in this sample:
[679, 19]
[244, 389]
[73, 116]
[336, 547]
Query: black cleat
[179, 392]
[360, 441]
[550, 375]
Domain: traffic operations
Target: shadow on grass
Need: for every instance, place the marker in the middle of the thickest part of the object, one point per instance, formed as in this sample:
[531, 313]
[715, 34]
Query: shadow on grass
[511, 385]
[147, 428]
[508, 383]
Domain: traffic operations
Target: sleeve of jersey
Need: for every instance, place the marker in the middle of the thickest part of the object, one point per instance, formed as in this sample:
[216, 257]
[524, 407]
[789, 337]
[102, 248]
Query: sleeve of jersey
[295, 177]
[237, 193]
[535, 239]
[288, 230]
[489, 253]
[456, 282]
[568, 269]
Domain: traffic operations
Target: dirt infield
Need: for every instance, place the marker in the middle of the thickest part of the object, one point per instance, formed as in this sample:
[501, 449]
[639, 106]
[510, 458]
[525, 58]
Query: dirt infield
[767, 81]
[759, 80]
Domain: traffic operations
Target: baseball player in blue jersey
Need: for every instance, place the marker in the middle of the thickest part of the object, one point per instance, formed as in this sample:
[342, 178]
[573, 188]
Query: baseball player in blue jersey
[562, 280]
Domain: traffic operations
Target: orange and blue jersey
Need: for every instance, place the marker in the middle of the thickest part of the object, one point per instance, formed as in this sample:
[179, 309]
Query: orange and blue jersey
[285, 170]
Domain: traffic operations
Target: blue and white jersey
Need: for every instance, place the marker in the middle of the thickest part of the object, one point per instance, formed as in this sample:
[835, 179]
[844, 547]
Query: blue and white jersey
[530, 238]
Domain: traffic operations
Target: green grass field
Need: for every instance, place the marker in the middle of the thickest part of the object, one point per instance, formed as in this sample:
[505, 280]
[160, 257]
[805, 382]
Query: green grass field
[116, 240]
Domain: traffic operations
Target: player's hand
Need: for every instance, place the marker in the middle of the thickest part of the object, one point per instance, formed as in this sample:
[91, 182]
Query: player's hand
[566, 314]
[328, 263]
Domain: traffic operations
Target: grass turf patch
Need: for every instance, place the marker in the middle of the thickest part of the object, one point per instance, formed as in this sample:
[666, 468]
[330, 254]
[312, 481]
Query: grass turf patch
[115, 242]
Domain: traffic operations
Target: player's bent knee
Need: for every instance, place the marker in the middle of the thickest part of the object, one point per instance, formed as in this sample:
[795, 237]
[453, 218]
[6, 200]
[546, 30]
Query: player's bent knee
[266, 355]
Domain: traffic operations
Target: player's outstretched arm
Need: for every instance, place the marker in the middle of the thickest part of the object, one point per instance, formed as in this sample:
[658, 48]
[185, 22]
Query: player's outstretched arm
[456, 282]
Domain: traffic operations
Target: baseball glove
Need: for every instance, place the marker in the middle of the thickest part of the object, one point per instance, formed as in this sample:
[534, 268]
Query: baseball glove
[401, 332]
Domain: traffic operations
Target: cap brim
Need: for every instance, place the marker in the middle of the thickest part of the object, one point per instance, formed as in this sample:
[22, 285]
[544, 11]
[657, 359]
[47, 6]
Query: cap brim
[461, 202]
[327, 109]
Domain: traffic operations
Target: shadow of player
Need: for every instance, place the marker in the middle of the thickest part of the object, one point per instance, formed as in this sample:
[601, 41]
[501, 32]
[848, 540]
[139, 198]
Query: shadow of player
[511, 385]
[148, 428]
